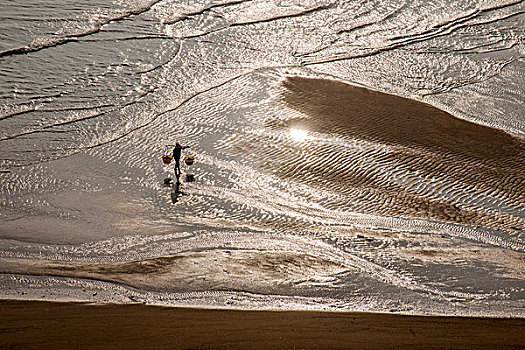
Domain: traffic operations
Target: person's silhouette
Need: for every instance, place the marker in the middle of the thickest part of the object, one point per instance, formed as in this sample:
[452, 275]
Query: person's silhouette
[176, 156]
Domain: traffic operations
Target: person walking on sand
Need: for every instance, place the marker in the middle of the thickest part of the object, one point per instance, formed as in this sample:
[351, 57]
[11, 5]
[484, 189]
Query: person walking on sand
[176, 156]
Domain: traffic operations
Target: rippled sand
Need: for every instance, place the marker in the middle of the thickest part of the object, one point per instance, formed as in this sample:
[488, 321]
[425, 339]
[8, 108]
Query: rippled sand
[327, 196]
[415, 138]
[309, 193]
[199, 271]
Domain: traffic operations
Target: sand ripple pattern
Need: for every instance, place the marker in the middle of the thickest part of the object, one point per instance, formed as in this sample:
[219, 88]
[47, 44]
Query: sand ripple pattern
[309, 191]
[257, 262]
[401, 157]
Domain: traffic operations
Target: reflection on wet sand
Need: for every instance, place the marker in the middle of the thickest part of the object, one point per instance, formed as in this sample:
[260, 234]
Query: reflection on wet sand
[246, 270]
[439, 167]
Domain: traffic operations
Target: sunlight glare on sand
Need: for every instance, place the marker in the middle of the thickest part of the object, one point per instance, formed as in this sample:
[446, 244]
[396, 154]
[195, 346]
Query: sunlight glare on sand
[299, 134]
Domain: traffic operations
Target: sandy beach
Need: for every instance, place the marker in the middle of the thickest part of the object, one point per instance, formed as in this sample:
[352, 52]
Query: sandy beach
[52, 325]
[347, 155]
[429, 147]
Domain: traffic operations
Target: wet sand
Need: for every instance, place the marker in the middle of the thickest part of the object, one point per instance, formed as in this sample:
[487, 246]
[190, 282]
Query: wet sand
[337, 107]
[415, 138]
[49, 325]
[207, 270]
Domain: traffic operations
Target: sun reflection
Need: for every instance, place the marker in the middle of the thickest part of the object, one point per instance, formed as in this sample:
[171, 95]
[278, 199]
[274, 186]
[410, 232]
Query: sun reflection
[299, 134]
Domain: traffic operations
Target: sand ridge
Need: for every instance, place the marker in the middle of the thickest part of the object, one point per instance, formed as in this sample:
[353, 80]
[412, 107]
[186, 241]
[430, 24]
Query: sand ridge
[432, 157]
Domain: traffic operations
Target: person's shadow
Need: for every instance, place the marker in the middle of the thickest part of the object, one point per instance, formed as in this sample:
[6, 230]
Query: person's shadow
[176, 191]
[176, 187]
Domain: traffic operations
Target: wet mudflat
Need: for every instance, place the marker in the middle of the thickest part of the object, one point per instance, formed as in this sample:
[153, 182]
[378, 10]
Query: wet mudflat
[369, 158]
